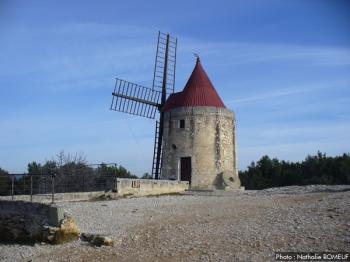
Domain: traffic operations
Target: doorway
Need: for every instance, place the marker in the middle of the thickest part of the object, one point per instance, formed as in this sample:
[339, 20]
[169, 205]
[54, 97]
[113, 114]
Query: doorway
[185, 169]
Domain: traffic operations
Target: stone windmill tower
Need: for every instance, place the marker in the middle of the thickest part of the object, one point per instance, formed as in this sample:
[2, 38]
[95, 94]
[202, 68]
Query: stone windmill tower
[199, 142]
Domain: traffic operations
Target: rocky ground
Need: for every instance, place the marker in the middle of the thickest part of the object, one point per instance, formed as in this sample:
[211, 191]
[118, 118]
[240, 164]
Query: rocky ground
[218, 226]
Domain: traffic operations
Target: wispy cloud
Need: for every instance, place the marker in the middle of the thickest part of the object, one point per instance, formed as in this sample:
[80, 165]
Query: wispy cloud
[286, 92]
[77, 51]
[275, 133]
[74, 52]
[241, 53]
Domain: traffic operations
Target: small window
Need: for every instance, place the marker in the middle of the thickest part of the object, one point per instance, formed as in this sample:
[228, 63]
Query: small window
[182, 123]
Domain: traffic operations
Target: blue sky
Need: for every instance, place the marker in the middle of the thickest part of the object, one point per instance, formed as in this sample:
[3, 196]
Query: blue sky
[282, 66]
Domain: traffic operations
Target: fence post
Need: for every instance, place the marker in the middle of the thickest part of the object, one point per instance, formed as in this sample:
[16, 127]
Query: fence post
[116, 179]
[31, 187]
[53, 189]
[13, 187]
[83, 181]
[40, 186]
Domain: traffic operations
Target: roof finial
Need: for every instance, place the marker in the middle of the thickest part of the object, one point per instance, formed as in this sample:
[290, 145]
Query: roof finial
[197, 56]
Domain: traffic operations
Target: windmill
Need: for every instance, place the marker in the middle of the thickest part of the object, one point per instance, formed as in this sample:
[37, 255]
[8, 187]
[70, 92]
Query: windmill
[146, 102]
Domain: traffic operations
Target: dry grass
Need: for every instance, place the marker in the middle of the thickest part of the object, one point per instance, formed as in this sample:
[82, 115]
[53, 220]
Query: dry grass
[69, 231]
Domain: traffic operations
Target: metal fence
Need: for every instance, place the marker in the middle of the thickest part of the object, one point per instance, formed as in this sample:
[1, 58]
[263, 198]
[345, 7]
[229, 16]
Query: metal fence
[60, 180]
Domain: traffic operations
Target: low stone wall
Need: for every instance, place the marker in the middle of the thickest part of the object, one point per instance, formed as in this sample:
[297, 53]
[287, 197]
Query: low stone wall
[145, 187]
[25, 221]
[124, 187]
[58, 197]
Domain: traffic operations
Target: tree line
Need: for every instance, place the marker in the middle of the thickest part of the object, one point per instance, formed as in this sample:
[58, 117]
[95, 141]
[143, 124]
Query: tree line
[317, 169]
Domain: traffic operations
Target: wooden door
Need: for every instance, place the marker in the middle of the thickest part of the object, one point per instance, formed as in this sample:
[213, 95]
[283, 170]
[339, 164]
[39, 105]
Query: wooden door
[186, 168]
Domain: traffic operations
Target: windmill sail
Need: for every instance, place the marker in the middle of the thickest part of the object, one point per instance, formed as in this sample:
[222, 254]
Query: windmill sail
[164, 80]
[135, 99]
[165, 64]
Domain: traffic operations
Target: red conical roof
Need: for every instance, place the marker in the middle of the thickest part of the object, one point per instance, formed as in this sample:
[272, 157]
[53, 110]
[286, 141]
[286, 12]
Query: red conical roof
[199, 91]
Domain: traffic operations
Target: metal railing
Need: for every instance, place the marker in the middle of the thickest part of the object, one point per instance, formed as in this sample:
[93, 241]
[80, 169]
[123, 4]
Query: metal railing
[60, 180]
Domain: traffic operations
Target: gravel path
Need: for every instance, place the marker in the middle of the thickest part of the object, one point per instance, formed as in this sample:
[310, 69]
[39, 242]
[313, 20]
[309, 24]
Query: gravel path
[218, 226]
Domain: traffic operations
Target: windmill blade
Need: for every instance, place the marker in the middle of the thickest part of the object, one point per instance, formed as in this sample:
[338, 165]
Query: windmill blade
[165, 64]
[164, 82]
[135, 99]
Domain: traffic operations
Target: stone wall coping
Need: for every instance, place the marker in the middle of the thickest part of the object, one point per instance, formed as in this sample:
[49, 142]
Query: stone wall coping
[160, 181]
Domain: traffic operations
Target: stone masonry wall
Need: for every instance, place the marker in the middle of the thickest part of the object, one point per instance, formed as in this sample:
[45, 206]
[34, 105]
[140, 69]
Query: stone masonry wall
[25, 221]
[209, 139]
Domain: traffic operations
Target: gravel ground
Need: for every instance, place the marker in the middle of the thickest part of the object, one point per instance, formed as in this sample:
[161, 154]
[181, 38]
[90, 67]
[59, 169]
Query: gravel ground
[204, 226]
